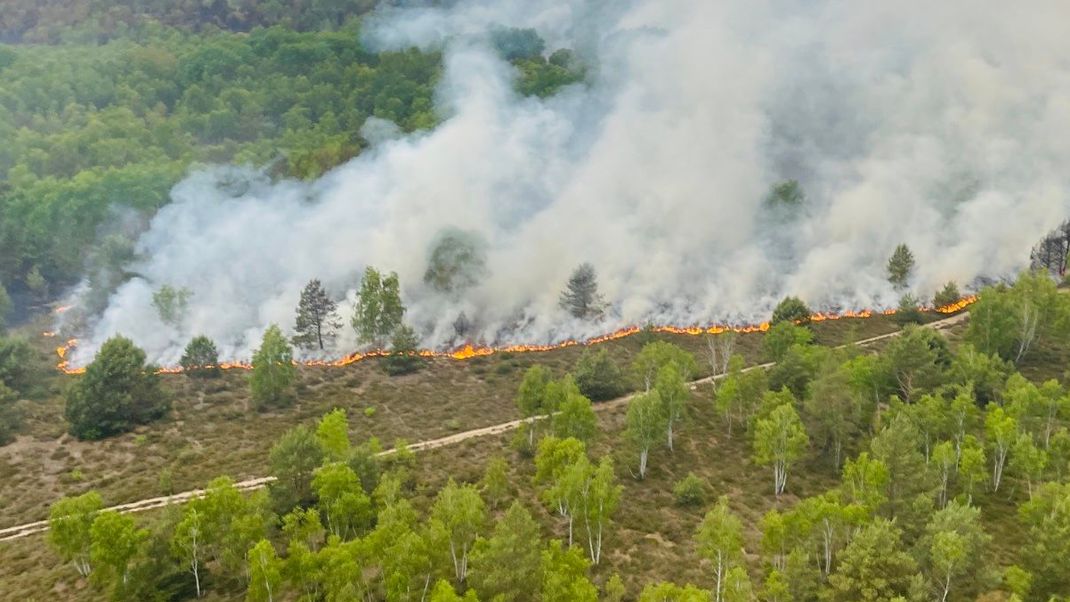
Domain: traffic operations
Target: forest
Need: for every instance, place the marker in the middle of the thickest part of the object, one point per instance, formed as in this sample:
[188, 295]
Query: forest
[102, 121]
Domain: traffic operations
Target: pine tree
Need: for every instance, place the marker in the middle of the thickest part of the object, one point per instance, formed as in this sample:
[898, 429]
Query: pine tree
[316, 317]
[581, 297]
[900, 266]
[200, 358]
[947, 295]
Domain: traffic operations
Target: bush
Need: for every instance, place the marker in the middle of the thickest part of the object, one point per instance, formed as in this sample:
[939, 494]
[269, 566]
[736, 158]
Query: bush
[21, 367]
[117, 392]
[689, 491]
[791, 309]
[948, 295]
[598, 377]
[403, 358]
[909, 311]
[201, 359]
[10, 414]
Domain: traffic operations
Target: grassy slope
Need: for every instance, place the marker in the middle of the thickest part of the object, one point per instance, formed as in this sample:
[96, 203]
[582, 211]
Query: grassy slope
[211, 433]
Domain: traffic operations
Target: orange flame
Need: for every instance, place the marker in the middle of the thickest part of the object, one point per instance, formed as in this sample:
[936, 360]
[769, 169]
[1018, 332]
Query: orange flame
[470, 351]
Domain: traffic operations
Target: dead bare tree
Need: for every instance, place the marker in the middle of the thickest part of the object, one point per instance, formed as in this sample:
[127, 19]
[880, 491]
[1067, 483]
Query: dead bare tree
[1051, 252]
[719, 351]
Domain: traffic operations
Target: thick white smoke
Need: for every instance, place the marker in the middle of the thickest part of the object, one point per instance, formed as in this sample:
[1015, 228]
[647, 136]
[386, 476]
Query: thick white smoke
[941, 125]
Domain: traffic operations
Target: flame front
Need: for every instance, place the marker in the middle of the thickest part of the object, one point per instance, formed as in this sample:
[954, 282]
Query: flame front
[470, 351]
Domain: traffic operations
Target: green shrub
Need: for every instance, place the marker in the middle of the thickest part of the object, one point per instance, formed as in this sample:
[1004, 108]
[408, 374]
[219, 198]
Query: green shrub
[598, 377]
[689, 491]
[909, 311]
[947, 295]
[369, 411]
[201, 359]
[791, 309]
[118, 391]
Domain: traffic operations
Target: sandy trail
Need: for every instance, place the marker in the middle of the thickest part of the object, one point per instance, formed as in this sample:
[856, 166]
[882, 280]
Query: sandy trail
[19, 531]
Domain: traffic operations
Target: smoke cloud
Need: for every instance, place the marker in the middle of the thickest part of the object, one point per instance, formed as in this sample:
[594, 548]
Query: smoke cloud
[935, 124]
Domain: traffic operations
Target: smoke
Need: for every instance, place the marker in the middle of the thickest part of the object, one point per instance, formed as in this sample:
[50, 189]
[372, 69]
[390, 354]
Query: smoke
[938, 125]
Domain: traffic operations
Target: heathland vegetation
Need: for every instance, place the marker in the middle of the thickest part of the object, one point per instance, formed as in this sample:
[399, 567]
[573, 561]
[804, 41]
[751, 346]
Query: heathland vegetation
[935, 467]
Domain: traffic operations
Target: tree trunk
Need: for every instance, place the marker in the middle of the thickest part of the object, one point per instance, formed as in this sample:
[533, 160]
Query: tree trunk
[642, 463]
[196, 576]
[997, 467]
[720, 572]
[670, 434]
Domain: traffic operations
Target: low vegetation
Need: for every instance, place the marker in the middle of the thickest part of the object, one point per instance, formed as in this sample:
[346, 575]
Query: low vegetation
[896, 473]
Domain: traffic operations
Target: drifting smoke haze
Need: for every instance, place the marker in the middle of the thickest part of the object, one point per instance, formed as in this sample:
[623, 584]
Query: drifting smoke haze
[941, 125]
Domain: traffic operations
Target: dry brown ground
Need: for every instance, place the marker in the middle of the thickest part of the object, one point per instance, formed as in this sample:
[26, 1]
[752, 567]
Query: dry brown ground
[212, 432]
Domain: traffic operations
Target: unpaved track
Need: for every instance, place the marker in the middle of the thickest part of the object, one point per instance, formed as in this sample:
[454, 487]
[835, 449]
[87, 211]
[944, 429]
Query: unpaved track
[20, 531]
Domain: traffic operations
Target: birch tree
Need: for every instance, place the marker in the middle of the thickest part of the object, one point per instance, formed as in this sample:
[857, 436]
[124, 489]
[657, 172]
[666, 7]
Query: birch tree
[575, 418]
[950, 546]
[655, 356]
[265, 576]
[864, 481]
[599, 500]
[342, 500]
[69, 528]
[273, 370]
[508, 564]
[1001, 430]
[672, 393]
[115, 541]
[646, 426]
[531, 397]
[554, 458]
[945, 460]
[720, 540]
[973, 464]
[779, 440]
[458, 514]
[719, 350]
[188, 543]
[1028, 461]
[834, 411]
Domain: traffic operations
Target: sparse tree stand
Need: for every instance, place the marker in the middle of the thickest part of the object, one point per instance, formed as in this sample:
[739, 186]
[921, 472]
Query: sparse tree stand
[580, 297]
[900, 266]
[316, 317]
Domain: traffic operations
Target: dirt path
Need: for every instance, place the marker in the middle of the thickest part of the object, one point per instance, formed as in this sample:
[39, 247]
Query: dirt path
[20, 531]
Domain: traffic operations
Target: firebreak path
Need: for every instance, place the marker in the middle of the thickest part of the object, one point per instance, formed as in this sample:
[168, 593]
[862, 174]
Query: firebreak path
[20, 531]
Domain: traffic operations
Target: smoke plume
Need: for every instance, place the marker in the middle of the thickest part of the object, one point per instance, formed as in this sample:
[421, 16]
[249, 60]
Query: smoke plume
[935, 124]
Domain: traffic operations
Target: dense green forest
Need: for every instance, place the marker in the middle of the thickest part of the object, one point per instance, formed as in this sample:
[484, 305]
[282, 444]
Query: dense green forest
[99, 127]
